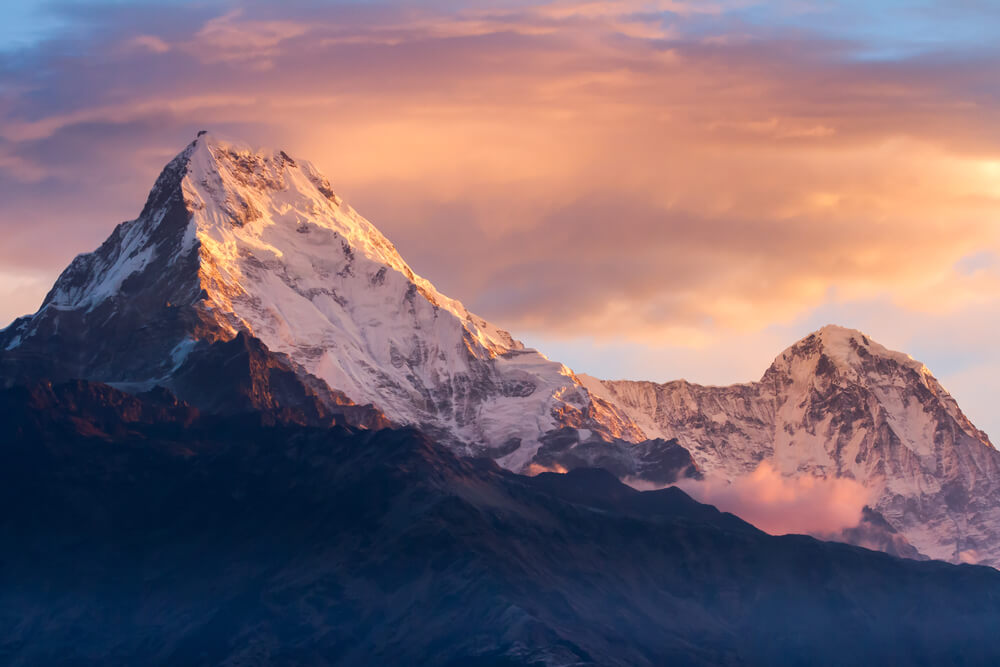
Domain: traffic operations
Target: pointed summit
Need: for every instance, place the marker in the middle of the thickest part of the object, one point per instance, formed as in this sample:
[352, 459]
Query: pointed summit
[845, 350]
[838, 358]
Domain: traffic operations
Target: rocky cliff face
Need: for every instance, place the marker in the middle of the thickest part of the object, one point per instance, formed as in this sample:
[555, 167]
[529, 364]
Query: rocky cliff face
[837, 404]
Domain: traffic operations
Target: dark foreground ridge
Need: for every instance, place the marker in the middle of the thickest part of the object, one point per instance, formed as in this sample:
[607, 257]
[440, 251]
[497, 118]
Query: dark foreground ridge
[135, 531]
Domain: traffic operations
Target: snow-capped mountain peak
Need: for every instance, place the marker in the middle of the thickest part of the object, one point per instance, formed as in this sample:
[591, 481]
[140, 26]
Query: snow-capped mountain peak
[263, 198]
[234, 239]
[839, 357]
[847, 350]
[838, 404]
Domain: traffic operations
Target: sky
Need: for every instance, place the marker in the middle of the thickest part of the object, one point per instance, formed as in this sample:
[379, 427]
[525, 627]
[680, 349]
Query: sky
[647, 190]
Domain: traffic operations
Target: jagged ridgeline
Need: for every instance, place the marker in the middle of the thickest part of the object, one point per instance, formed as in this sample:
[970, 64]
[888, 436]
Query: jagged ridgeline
[247, 284]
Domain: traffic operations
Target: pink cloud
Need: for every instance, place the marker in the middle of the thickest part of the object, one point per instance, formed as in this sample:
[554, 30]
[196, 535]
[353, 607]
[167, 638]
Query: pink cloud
[778, 504]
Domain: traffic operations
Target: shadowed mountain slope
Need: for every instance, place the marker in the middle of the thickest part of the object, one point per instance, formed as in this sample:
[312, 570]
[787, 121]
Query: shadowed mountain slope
[136, 531]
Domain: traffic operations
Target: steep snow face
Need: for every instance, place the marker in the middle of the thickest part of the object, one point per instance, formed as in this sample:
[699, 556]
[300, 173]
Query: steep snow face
[284, 258]
[261, 244]
[837, 404]
[264, 204]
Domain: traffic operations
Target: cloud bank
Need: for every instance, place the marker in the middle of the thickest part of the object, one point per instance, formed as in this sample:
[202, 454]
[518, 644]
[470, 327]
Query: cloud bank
[779, 505]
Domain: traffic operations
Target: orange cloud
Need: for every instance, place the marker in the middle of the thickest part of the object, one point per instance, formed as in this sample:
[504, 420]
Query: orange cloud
[594, 168]
[538, 469]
